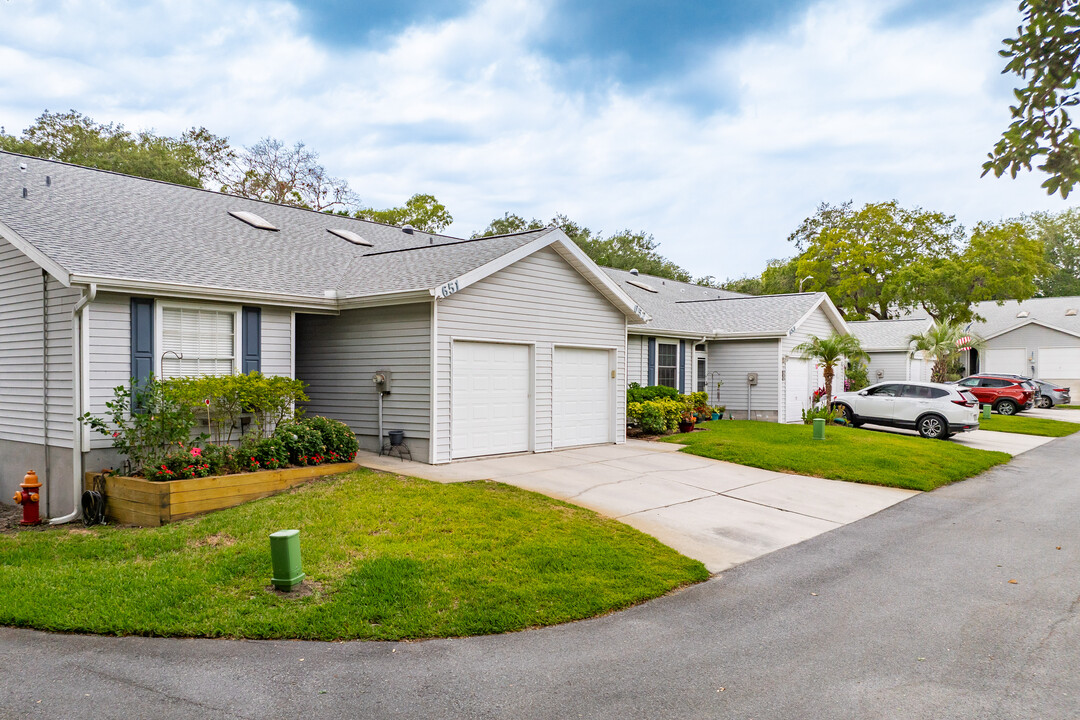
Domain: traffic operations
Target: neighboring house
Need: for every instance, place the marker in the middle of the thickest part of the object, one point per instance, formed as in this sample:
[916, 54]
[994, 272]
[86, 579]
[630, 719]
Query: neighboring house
[700, 336]
[888, 343]
[505, 344]
[1038, 337]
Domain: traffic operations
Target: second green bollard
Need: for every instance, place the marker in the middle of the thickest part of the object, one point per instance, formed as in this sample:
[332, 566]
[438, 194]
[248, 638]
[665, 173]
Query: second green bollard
[819, 428]
[986, 412]
[285, 557]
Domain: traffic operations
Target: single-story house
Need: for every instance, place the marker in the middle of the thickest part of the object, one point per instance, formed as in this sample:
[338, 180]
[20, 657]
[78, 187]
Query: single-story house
[513, 343]
[1038, 337]
[888, 344]
[698, 337]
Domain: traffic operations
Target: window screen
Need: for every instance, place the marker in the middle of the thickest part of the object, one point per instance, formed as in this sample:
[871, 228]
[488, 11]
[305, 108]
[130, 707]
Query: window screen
[667, 361]
[205, 338]
[701, 374]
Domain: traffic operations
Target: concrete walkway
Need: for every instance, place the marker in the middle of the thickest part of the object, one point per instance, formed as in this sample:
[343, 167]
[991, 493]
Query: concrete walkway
[719, 513]
[1054, 414]
[1011, 443]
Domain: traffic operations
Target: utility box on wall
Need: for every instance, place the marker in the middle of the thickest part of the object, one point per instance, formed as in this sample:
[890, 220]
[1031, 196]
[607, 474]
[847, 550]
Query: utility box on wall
[381, 378]
[751, 378]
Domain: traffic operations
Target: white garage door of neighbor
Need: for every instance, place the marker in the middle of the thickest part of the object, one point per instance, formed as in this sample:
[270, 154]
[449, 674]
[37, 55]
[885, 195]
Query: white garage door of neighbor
[1059, 363]
[920, 368]
[582, 380]
[492, 406]
[796, 388]
[1006, 360]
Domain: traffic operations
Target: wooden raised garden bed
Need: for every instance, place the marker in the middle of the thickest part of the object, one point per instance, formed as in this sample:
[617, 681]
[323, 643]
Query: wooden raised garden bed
[137, 501]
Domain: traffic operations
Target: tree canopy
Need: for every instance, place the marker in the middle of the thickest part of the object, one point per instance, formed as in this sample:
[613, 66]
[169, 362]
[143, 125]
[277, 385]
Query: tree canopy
[1060, 237]
[625, 250]
[76, 138]
[272, 171]
[423, 212]
[1046, 54]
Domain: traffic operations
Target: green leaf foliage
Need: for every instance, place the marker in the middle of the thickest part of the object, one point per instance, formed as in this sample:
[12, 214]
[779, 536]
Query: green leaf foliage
[423, 212]
[829, 351]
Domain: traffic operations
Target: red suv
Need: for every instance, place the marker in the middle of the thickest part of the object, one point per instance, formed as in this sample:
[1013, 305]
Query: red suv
[1006, 395]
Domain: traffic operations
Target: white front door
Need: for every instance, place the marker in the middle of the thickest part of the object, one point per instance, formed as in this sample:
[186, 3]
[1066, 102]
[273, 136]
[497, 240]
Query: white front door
[492, 399]
[1012, 361]
[582, 394]
[796, 388]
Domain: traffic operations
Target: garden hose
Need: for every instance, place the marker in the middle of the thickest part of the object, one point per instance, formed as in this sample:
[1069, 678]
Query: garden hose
[93, 508]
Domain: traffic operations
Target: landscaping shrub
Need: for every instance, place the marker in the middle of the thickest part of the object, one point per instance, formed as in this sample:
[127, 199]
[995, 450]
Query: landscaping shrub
[303, 442]
[221, 459]
[338, 438]
[263, 453]
[656, 416]
[180, 466]
[856, 377]
[820, 411]
[222, 400]
[637, 394]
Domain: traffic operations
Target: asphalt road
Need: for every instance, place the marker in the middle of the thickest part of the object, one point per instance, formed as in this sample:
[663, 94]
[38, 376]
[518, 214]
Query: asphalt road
[910, 613]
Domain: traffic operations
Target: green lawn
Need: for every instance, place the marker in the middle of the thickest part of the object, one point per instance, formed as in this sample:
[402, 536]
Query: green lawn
[864, 456]
[1067, 407]
[1028, 425]
[388, 557]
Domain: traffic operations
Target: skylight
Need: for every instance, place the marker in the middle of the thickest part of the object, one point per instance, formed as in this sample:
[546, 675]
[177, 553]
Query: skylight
[1070, 312]
[255, 221]
[1022, 314]
[643, 286]
[350, 236]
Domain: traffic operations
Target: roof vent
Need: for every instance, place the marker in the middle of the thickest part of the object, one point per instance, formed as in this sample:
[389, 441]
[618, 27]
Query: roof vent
[1070, 312]
[633, 271]
[1022, 314]
[643, 286]
[252, 219]
[350, 236]
[22, 166]
[48, 181]
[407, 229]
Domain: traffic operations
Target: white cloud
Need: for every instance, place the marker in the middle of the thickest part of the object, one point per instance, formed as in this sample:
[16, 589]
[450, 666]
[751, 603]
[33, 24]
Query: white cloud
[836, 107]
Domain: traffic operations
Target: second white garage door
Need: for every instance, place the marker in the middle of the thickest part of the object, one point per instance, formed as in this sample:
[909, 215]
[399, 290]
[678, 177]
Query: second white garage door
[492, 408]
[1059, 363]
[1006, 360]
[582, 394]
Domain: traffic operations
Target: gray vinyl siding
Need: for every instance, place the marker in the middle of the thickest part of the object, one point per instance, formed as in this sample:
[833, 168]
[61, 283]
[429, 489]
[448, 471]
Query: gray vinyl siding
[337, 355]
[734, 359]
[1032, 337]
[110, 353]
[894, 366]
[539, 299]
[816, 324]
[60, 302]
[276, 341]
[22, 339]
[637, 360]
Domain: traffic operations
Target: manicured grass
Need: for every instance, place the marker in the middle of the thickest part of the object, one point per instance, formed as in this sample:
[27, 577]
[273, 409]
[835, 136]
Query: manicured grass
[388, 557]
[1067, 407]
[845, 454]
[1028, 425]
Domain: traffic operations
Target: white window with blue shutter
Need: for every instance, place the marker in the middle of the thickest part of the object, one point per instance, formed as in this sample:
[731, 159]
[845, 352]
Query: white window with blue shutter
[198, 340]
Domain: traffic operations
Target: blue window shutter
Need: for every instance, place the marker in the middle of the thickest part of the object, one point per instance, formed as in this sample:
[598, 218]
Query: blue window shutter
[251, 340]
[682, 366]
[651, 379]
[142, 345]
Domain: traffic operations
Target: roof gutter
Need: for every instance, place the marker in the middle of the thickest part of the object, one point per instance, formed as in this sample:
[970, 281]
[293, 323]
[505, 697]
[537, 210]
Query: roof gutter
[77, 379]
[207, 292]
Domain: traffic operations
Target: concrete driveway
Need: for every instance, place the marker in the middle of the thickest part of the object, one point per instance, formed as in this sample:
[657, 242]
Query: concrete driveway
[1011, 443]
[719, 513]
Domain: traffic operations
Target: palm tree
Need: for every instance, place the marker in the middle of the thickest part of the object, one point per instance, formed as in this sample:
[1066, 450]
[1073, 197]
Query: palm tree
[943, 341]
[828, 351]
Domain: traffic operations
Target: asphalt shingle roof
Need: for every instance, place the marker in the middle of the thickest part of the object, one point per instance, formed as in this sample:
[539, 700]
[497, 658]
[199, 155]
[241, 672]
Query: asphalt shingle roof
[887, 334]
[688, 308]
[98, 223]
[1050, 311]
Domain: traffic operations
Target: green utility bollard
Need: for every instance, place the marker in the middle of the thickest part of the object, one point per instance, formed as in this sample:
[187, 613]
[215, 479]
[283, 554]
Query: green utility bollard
[285, 557]
[819, 428]
[986, 412]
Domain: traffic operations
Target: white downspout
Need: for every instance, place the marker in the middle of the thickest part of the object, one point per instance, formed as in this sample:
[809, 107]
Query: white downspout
[76, 404]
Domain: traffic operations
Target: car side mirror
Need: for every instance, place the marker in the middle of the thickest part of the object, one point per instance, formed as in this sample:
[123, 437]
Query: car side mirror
[864, 393]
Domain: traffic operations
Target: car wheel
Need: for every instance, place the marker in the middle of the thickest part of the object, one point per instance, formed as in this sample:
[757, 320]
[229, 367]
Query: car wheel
[933, 427]
[1006, 407]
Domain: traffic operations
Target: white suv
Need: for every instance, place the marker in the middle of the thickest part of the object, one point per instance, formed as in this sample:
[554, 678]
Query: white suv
[934, 409]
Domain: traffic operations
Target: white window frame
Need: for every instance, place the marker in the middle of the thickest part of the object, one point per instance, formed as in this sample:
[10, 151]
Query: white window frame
[675, 367]
[159, 328]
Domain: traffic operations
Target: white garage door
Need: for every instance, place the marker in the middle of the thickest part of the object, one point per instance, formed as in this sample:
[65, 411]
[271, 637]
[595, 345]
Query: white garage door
[1059, 363]
[582, 390]
[1006, 360]
[796, 388]
[920, 368]
[492, 406]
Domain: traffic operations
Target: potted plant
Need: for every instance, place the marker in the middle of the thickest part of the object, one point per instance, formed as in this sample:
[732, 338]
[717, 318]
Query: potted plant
[718, 412]
[686, 422]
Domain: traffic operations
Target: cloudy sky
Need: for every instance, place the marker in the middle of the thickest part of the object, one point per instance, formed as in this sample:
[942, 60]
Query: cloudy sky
[717, 126]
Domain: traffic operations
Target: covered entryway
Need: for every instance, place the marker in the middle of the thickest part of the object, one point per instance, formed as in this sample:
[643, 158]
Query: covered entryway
[492, 398]
[582, 388]
[1012, 361]
[796, 388]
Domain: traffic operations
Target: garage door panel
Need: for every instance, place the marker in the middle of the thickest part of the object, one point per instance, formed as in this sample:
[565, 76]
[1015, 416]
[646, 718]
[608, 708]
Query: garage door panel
[1059, 363]
[1012, 361]
[582, 396]
[796, 388]
[491, 400]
